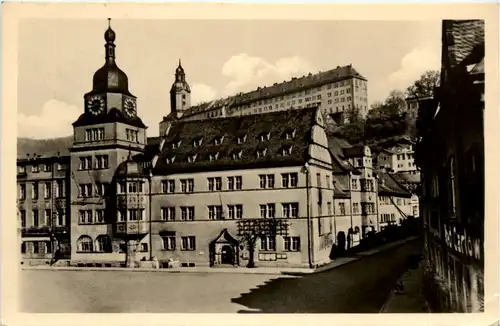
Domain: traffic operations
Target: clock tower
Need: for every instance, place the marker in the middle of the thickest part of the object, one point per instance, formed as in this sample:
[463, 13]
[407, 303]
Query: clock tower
[107, 133]
[180, 93]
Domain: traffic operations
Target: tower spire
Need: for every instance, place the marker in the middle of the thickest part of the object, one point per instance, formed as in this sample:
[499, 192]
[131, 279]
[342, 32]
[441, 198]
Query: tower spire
[110, 36]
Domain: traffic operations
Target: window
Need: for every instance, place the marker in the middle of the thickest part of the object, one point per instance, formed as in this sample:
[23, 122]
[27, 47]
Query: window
[122, 215]
[102, 244]
[187, 213]
[60, 189]
[99, 216]
[355, 208]
[268, 243]
[168, 186]
[85, 163]
[266, 181]
[187, 185]
[237, 155]
[101, 188]
[241, 139]
[342, 208]
[289, 180]
[60, 217]
[218, 140]
[286, 150]
[265, 136]
[268, 211]
[215, 212]
[135, 187]
[135, 214]
[85, 216]
[35, 168]
[34, 191]
[86, 190]
[84, 244]
[261, 152]
[327, 177]
[21, 169]
[169, 243]
[23, 218]
[213, 156]
[290, 210]
[22, 191]
[235, 211]
[197, 142]
[230, 183]
[94, 134]
[192, 158]
[329, 208]
[47, 168]
[143, 247]
[239, 182]
[175, 144]
[101, 162]
[214, 184]
[290, 134]
[170, 160]
[188, 243]
[47, 219]
[132, 135]
[168, 213]
[291, 243]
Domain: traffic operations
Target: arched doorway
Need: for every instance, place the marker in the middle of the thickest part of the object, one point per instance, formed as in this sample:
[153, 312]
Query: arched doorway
[227, 255]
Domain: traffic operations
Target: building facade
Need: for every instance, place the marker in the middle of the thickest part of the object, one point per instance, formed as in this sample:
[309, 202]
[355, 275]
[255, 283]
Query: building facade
[398, 158]
[337, 92]
[450, 155]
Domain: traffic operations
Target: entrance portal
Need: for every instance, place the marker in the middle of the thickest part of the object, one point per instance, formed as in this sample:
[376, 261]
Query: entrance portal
[227, 255]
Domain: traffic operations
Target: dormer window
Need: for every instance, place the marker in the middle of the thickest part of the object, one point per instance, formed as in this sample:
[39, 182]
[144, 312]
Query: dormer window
[290, 134]
[241, 139]
[261, 152]
[176, 144]
[237, 155]
[218, 140]
[285, 151]
[213, 156]
[197, 142]
[170, 160]
[265, 136]
[192, 158]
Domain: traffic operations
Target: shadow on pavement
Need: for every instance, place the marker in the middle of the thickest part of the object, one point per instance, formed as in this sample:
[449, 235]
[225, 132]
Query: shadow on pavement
[361, 286]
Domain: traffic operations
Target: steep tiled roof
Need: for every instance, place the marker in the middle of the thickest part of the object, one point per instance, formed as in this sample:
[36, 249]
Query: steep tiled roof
[342, 189]
[293, 85]
[387, 185]
[339, 162]
[355, 151]
[180, 142]
[462, 38]
[43, 147]
[407, 177]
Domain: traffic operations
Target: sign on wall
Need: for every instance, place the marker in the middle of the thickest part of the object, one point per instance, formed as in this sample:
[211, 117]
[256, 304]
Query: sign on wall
[462, 243]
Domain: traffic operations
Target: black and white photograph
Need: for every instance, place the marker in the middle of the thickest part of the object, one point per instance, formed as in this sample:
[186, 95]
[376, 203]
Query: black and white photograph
[251, 166]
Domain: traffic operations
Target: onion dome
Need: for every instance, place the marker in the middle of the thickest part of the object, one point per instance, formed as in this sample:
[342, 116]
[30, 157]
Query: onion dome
[180, 83]
[130, 169]
[110, 78]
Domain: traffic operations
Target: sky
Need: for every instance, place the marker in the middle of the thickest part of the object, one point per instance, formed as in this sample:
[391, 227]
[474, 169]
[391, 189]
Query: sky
[57, 59]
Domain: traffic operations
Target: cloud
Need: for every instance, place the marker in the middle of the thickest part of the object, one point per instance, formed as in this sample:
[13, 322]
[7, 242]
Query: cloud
[54, 120]
[413, 65]
[246, 72]
[202, 93]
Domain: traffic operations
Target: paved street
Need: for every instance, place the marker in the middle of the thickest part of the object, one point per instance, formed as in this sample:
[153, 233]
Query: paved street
[358, 287]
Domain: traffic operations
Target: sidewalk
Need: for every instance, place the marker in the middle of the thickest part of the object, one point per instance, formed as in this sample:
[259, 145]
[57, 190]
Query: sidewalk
[238, 270]
[411, 298]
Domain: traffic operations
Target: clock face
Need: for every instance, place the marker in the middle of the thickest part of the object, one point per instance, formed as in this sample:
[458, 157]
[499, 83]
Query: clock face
[95, 104]
[129, 107]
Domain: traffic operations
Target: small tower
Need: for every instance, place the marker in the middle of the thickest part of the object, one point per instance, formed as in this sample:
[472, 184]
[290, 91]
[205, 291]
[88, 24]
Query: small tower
[180, 93]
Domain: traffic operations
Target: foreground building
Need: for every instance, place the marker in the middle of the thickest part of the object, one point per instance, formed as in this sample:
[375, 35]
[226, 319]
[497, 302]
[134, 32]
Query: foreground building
[451, 158]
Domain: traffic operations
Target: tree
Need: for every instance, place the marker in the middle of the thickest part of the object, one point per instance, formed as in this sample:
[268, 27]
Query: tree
[424, 86]
[250, 230]
[352, 115]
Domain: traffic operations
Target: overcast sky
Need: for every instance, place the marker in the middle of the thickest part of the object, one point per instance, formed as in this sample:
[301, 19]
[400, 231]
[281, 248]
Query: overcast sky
[57, 59]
